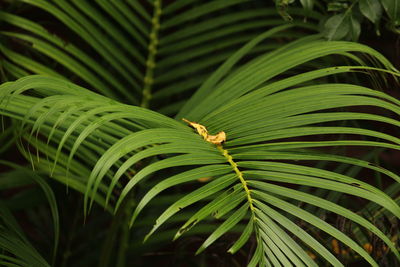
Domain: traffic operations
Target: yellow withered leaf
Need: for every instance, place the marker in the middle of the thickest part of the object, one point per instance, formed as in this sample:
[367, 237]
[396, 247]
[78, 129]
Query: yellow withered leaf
[202, 130]
[217, 139]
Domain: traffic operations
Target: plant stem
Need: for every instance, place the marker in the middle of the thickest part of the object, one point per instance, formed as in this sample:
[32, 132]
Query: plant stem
[111, 236]
[119, 227]
[239, 175]
[125, 233]
[150, 63]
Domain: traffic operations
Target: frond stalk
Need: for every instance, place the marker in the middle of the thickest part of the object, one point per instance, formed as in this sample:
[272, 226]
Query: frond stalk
[239, 175]
[150, 63]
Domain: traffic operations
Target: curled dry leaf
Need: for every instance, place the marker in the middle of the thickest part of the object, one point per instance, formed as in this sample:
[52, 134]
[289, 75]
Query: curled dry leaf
[217, 139]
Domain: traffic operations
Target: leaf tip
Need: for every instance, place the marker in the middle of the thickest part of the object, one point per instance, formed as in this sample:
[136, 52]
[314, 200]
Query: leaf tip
[200, 250]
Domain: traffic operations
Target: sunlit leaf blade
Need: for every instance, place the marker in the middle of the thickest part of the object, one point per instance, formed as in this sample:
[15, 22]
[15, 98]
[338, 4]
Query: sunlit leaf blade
[210, 188]
[224, 227]
[316, 222]
[300, 233]
[244, 237]
[213, 208]
[286, 192]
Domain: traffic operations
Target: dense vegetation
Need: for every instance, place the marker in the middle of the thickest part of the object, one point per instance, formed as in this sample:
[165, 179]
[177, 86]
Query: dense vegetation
[245, 133]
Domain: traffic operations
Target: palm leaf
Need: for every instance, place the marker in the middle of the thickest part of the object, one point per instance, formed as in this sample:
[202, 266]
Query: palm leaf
[147, 51]
[17, 250]
[265, 104]
[123, 149]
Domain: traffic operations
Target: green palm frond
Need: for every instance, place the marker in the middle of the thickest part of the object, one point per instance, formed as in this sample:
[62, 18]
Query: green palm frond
[152, 55]
[247, 178]
[282, 95]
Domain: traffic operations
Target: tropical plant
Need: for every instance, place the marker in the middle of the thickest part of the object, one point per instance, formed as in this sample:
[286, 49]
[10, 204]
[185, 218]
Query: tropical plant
[216, 119]
[343, 18]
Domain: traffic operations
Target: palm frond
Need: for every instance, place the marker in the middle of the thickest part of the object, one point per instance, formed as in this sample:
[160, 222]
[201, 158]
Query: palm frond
[244, 166]
[17, 250]
[144, 45]
[279, 103]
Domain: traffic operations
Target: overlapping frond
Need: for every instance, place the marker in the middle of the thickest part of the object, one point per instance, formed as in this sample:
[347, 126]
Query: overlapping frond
[151, 53]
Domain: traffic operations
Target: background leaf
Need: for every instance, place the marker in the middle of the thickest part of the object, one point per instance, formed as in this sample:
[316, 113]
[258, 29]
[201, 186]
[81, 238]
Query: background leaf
[371, 9]
[307, 4]
[337, 27]
[392, 8]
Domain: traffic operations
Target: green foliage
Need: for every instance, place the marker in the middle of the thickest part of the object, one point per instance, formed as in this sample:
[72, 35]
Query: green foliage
[342, 18]
[99, 111]
[17, 250]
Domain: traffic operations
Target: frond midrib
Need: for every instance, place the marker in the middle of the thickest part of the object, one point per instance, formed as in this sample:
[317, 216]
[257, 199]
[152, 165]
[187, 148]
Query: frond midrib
[148, 79]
